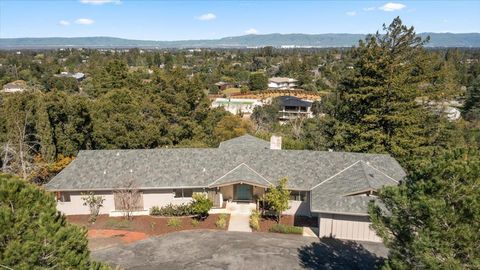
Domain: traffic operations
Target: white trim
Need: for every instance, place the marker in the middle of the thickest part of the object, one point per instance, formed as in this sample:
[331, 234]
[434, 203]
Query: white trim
[240, 182]
[339, 213]
[243, 163]
[113, 189]
[333, 176]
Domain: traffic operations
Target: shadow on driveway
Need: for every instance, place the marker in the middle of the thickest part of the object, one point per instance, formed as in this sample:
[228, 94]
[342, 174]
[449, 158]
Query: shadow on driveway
[332, 253]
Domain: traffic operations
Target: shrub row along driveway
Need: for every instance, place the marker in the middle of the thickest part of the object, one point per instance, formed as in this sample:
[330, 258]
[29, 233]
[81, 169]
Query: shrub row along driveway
[240, 250]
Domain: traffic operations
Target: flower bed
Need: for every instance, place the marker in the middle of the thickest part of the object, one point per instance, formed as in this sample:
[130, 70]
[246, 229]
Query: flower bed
[148, 224]
[266, 223]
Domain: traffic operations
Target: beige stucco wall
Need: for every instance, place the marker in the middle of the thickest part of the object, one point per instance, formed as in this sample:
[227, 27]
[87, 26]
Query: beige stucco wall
[161, 198]
[150, 198]
[258, 192]
[227, 192]
[346, 227]
[76, 207]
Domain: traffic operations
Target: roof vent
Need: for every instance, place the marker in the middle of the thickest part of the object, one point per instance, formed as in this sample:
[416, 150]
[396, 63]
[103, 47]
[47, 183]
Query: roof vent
[204, 169]
[276, 142]
[105, 172]
[118, 154]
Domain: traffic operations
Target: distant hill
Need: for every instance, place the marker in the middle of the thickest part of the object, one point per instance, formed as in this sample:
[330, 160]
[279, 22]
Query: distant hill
[276, 40]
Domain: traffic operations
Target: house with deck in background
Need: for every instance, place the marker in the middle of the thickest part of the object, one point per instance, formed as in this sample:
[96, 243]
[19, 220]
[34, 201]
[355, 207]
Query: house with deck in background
[333, 187]
[282, 83]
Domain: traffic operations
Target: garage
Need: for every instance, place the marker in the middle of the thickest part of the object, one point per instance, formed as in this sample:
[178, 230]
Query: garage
[349, 227]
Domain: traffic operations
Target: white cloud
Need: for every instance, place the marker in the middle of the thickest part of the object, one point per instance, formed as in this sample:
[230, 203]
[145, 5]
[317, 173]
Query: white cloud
[207, 17]
[392, 6]
[84, 21]
[100, 2]
[369, 9]
[251, 31]
[64, 23]
[351, 13]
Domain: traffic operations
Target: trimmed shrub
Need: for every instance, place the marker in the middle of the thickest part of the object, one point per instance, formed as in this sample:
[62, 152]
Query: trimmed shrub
[280, 228]
[174, 222]
[255, 220]
[201, 205]
[221, 222]
[172, 210]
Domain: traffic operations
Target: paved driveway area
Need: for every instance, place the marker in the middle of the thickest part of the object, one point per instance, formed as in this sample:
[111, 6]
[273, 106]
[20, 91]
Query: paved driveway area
[241, 250]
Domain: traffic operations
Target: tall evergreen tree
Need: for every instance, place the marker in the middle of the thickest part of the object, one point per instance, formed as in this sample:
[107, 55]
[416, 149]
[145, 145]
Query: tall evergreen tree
[375, 106]
[34, 235]
[432, 220]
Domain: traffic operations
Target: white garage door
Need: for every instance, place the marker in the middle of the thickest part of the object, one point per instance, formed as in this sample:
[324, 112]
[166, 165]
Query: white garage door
[346, 227]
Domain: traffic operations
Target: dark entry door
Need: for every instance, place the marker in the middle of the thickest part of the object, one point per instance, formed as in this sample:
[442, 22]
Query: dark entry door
[243, 192]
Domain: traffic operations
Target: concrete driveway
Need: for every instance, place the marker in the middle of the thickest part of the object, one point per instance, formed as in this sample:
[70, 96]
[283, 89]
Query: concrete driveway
[241, 250]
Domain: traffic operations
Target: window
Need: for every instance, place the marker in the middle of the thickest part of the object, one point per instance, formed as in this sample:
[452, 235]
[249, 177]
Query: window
[296, 195]
[63, 197]
[183, 193]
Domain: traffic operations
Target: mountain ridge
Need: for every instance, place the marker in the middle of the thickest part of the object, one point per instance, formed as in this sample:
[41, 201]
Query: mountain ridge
[274, 39]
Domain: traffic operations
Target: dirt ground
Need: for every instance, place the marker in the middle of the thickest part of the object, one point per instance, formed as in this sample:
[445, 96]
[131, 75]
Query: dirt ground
[110, 231]
[266, 222]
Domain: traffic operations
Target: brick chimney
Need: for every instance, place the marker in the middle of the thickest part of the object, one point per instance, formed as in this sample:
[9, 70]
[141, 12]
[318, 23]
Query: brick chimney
[276, 142]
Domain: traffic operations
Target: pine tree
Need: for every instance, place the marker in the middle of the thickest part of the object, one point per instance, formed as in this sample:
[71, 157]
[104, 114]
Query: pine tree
[432, 220]
[376, 108]
[34, 235]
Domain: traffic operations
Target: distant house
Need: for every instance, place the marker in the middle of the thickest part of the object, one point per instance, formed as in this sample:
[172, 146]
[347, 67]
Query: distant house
[78, 75]
[294, 107]
[282, 83]
[224, 85]
[14, 87]
[237, 105]
[334, 187]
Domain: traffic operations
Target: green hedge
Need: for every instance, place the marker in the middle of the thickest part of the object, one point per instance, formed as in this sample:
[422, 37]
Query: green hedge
[280, 228]
[172, 210]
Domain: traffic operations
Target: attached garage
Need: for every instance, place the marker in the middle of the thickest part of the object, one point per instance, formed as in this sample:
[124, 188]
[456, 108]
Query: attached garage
[349, 227]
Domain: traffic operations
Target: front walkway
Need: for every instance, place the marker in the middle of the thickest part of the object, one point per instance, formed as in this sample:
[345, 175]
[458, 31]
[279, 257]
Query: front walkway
[240, 216]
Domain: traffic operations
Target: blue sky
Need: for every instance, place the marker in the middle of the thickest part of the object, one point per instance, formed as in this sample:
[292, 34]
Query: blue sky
[175, 20]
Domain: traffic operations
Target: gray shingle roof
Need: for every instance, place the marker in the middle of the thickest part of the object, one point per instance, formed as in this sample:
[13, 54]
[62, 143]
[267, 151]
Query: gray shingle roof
[242, 173]
[244, 158]
[339, 193]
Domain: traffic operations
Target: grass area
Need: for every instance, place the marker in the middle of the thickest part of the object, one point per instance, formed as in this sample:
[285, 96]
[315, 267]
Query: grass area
[230, 91]
[118, 224]
[280, 228]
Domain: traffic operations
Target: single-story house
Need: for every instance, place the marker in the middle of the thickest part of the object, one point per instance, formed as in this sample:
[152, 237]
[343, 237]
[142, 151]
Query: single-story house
[336, 187]
[224, 85]
[281, 83]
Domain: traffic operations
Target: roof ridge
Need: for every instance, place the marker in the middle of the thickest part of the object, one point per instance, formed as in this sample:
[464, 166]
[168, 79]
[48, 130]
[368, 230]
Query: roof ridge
[388, 176]
[333, 176]
[365, 173]
[236, 168]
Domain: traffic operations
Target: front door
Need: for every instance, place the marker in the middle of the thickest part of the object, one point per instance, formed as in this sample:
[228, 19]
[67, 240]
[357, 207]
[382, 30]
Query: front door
[243, 192]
